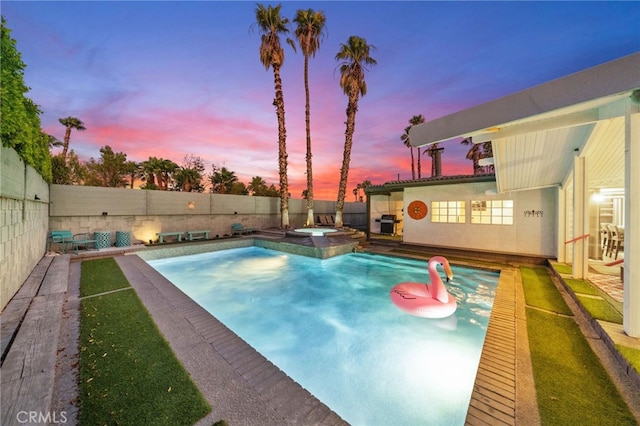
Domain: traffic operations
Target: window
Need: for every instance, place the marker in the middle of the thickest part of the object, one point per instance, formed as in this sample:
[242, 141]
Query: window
[448, 211]
[492, 212]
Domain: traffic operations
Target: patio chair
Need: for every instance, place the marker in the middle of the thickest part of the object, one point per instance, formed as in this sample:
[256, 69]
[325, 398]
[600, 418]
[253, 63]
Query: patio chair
[617, 241]
[604, 236]
[239, 229]
[610, 234]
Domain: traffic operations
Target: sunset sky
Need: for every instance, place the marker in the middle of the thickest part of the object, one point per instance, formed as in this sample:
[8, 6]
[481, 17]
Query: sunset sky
[168, 79]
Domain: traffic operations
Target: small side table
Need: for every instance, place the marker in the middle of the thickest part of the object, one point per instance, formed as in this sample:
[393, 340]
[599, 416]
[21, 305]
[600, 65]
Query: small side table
[103, 239]
[123, 238]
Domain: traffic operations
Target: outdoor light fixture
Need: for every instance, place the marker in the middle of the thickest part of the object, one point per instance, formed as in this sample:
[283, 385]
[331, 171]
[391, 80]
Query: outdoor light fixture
[191, 205]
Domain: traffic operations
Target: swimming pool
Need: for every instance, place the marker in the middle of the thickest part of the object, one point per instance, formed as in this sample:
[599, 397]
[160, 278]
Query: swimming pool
[330, 325]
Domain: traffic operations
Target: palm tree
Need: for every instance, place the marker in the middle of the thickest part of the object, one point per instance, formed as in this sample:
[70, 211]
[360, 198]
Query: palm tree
[414, 121]
[70, 123]
[149, 169]
[487, 152]
[157, 172]
[257, 186]
[53, 141]
[133, 170]
[356, 191]
[435, 152]
[187, 179]
[163, 175]
[309, 32]
[271, 25]
[222, 180]
[354, 56]
[478, 152]
[473, 154]
[407, 142]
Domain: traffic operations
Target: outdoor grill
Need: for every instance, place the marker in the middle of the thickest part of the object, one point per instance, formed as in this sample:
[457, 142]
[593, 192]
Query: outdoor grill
[388, 224]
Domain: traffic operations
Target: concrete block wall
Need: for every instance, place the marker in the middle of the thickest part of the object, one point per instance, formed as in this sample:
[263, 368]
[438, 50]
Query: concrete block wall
[24, 220]
[83, 209]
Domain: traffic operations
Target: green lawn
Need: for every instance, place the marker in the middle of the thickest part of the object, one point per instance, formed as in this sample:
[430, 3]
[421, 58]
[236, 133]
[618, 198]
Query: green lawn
[128, 373]
[632, 355]
[582, 286]
[572, 386]
[539, 290]
[600, 309]
[101, 275]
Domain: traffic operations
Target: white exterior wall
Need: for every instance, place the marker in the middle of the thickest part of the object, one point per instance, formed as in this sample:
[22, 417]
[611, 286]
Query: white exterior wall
[530, 234]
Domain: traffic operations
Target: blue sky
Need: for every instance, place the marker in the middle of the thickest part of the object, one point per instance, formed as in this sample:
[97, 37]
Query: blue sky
[168, 79]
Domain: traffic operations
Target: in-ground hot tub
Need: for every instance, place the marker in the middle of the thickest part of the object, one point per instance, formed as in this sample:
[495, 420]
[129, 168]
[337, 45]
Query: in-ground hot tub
[314, 232]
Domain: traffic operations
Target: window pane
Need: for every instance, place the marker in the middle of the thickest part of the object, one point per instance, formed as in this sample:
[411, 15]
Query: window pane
[497, 212]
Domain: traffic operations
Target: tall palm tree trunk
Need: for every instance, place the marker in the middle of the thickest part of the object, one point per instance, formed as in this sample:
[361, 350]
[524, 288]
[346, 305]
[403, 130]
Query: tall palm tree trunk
[65, 147]
[307, 122]
[413, 166]
[352, 108]
[282, 149]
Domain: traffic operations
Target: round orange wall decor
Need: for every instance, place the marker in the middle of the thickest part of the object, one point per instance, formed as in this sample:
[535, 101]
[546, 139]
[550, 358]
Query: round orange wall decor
[417, 210]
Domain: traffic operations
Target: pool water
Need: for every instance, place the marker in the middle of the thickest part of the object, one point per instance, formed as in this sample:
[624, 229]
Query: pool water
[330, 325]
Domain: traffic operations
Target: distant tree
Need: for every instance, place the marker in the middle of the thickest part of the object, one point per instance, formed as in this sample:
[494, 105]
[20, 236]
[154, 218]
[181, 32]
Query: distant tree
[358, 188]
[164, 177]
[435, 152]
[478, 152]
[487, 152]
[473, 154]
[407, 142]
[257, 186]
[71, 172]
[271, 191]
[271, 26]
[109, 170]
[70, 123]
[148, 171]
[413, 121]
[188, 177]
[158, 173]
[309, 32]
[133, 171]
[222, 180]
[19, 115]
[53, 141]
[354, 57]
[239, 188]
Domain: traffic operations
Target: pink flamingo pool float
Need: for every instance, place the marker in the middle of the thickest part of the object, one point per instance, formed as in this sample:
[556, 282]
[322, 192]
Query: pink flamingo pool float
[424, 299]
